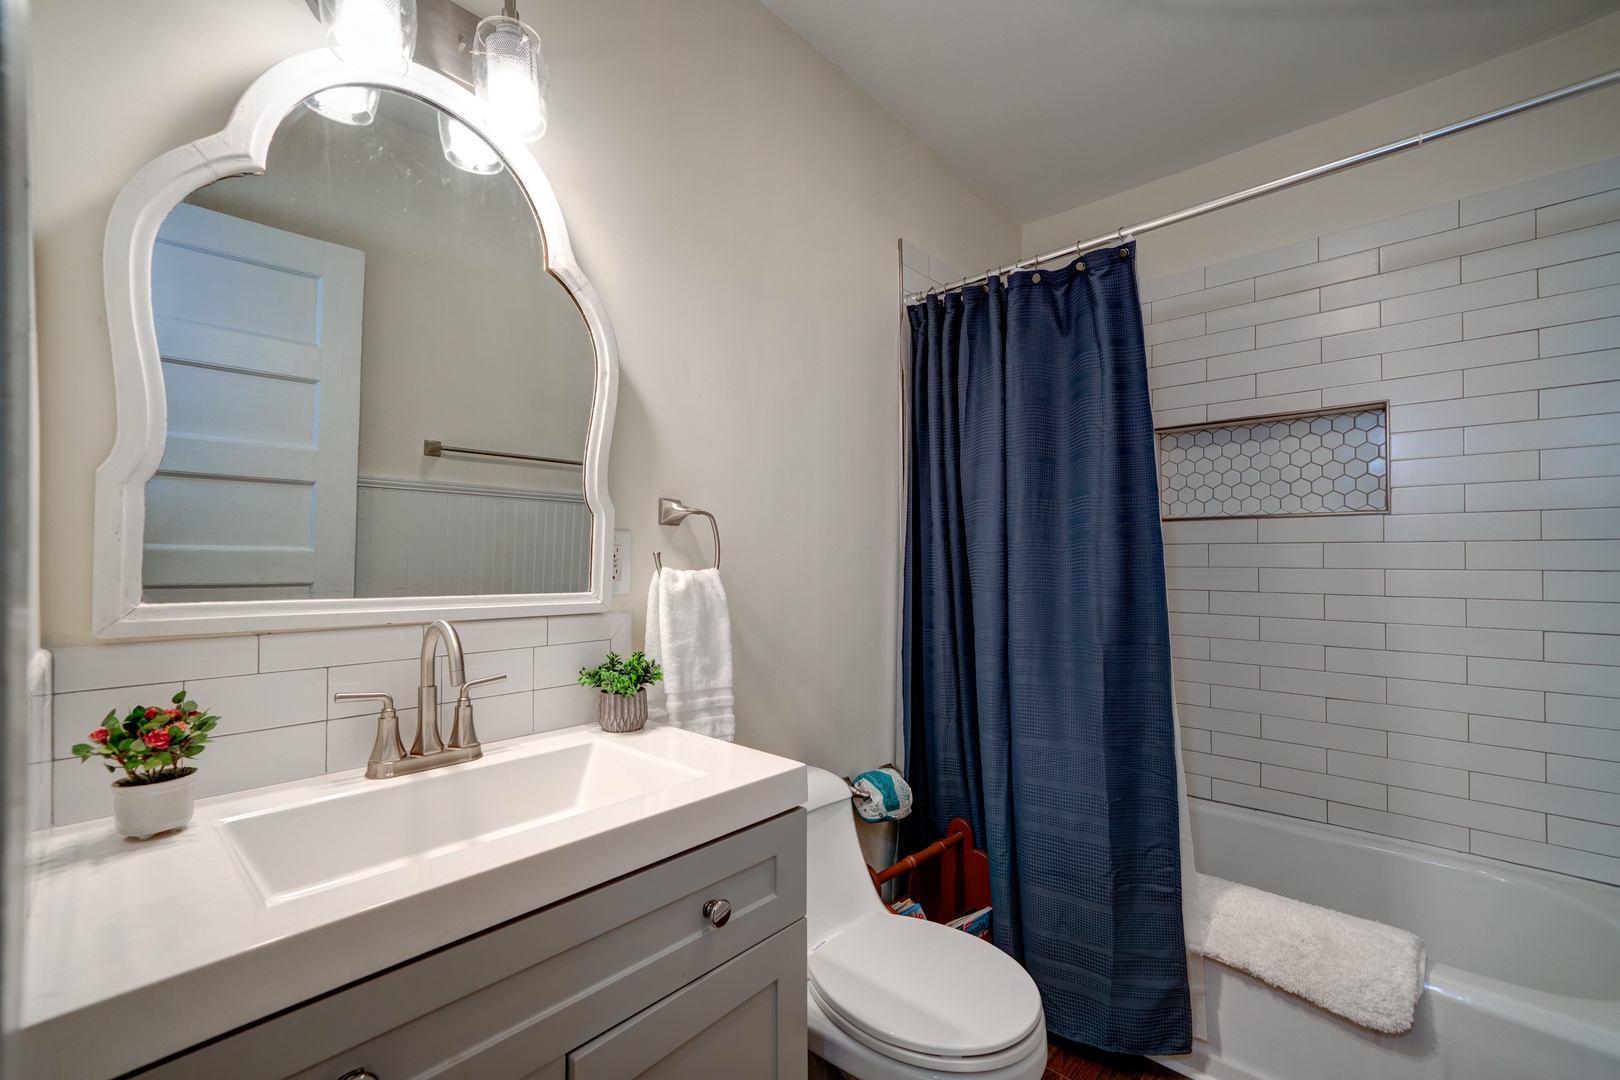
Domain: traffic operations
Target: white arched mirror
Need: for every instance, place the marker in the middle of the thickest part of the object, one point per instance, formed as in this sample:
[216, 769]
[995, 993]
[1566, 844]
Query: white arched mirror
[360, 377]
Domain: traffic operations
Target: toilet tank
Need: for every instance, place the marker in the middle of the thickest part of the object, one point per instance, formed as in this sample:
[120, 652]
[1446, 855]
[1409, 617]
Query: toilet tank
[838, 889]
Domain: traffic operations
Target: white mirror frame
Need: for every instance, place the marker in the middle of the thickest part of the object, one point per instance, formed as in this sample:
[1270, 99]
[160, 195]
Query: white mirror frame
[120, 509]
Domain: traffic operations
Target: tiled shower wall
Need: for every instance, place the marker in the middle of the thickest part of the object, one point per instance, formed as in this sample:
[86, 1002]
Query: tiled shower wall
[273, 693]
[1448, 673]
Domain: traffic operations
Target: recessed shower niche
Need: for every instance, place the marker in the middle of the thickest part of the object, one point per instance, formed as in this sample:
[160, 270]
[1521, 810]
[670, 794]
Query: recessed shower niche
[1331, 462]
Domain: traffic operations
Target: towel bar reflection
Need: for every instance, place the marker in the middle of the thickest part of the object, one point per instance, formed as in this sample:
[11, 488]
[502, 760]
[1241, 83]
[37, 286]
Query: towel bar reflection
[435, 448]
[673, 512]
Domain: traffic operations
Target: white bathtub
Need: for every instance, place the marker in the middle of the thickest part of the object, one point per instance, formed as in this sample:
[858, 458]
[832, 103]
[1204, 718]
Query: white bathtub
[1524, 966]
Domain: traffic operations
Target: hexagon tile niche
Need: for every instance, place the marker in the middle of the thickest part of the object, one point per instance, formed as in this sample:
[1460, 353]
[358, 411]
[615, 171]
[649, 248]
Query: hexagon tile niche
[1318, 463]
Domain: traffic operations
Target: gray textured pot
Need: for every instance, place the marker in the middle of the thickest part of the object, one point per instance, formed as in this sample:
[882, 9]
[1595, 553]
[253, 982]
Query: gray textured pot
[616, 712]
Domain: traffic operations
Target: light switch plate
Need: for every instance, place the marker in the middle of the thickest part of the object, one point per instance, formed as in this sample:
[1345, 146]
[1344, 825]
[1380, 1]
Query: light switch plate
[621, 560]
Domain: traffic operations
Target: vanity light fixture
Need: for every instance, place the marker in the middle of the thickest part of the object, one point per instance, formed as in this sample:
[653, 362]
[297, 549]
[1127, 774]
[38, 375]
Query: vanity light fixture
[375, 35]
[355, 105]
[466, 149]
[512, 78]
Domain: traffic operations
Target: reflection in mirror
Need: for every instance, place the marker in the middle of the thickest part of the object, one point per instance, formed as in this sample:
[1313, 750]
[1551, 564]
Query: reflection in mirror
[381, 284]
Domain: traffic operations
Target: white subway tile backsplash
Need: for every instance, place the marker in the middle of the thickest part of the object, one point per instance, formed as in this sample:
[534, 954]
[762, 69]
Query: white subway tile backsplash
[1316, 274]
[1563, 370]
[1594, 336]
[1478, 296]
[1390, 555]
[1316, 630]
[1289, 606]
[1465, 641]
[1402, 665]
[1546, 312]
[1481, 236]
[1442, 384]
[1394, 772]
[1585, 649]
[1326, 735]
[91, 667]
[559, 665]
[1269, 703]
[1579, 213]
[1175, 285]
[1271, 752]
[1594, 679]
[1197, 303]
[319, 648]
[1465, 356]
[1582, 803]
[1572, 277]
[1244, 772]
[1520, 525]
[564, 706]
[1176, 397]
[1403, 719]
[397, 678]
[1342, 789]
[1584, 836]
[1254, 554]
[1470, 469]
[1583, 773]
[1287, 306]
[1472, 699]
[1544, 494]
[1278, 802]
[1603, 397]
[1340, 321]
[1601, 524]
[1197, 786]
[1572, 740]
[1577, 618]
[1322, 581]
[1566, 247]
[494, 634]
[1393, 230]
[1209, 345]
[1567, 431]
[1544, 555]
[1324, 684]
[1437, 611]
[599, 626]
[1304, 401]
[1284, 530]
[1277, 358]
[1280, 654]
[1159, 333]
[1385, 339]
[256, 702]
[1363, 369]
[1226, 720]
[1468, 757]
[1416, 279]
[1505, 820]
[1443, 499]
[1580, 461]
[1497, 409]
[1583, 711]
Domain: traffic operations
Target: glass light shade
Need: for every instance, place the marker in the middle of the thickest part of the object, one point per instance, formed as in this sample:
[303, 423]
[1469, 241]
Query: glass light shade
[466, 149]
[356, 105]
[374, 35]
[512, 77]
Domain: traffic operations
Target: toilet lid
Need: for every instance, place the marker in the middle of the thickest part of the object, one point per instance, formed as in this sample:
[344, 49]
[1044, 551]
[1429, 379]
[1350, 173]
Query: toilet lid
[925, 987]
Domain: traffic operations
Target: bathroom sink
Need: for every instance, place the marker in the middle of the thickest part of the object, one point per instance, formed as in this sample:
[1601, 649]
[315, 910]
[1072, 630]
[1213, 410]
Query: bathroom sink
[381, 825]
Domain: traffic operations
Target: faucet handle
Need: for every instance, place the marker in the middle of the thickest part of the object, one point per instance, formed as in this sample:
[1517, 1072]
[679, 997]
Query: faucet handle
[462, 733]
[388, 747]
[470, 683]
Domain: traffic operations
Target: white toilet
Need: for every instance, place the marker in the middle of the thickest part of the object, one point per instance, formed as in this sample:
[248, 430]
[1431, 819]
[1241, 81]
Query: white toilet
[903, 999]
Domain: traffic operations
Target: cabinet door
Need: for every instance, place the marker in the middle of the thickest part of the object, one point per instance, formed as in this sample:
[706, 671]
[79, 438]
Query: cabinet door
[745, 1020]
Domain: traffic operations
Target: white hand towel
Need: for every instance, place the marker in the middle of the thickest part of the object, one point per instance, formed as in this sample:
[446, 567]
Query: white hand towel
[689, 634]
[1362, 970]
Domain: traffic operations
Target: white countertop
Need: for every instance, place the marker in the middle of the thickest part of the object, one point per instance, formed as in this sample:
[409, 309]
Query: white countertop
[172, 929]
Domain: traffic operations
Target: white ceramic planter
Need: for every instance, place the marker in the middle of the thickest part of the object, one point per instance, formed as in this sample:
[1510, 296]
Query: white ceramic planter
[618, 713]
[148, 809]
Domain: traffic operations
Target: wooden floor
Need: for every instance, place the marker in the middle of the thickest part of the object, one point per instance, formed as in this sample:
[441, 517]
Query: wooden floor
[1071, 1061]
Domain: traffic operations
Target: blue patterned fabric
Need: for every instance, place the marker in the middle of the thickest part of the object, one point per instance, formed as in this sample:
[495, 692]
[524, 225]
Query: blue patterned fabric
[1036, 680]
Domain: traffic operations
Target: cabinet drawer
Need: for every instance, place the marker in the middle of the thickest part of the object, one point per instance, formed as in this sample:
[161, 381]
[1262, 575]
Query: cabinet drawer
[744, 1020]
[503, 1003]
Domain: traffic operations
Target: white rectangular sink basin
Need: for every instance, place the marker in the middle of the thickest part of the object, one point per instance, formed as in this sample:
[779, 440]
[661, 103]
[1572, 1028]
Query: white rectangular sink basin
[381, 825]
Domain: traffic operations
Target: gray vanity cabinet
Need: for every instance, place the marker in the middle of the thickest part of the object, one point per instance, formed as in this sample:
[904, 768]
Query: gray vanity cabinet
[629, 979]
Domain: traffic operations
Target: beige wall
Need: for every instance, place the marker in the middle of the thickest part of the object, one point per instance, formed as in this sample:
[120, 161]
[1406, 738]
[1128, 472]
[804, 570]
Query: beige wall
[736, 201]
[1535, 144]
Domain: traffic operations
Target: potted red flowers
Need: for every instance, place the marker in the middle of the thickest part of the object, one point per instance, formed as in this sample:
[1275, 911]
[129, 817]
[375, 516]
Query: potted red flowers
[152, 746]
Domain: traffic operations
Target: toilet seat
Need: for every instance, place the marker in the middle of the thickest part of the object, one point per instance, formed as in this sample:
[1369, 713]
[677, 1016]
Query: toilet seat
[927, 995]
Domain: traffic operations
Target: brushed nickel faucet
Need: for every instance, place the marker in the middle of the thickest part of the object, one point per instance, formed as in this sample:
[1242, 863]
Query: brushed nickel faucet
[428, 750]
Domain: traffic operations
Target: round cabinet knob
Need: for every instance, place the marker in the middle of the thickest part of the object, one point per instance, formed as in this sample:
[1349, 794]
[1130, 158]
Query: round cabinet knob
[718, 912]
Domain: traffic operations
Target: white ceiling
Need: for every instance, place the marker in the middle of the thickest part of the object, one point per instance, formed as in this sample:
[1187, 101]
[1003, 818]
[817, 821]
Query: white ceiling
[1050, 104]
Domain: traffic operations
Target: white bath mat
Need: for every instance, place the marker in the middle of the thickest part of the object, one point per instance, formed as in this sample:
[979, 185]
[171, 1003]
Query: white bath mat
[1362, 970]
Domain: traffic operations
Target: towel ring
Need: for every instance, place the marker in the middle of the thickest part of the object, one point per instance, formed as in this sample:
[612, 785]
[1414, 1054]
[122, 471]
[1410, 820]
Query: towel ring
[673, 512]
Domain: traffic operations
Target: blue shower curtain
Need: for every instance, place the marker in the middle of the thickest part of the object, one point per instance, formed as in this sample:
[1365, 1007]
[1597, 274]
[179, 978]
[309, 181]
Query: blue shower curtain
[1036, 681]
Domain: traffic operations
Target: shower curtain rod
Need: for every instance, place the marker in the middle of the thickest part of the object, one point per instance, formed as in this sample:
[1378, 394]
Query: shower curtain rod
[1573, 90]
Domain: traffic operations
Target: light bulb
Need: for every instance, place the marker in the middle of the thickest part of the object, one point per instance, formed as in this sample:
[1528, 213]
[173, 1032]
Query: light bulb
[512, 77]
[356, 105]
[376, 35]
[466, 149]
